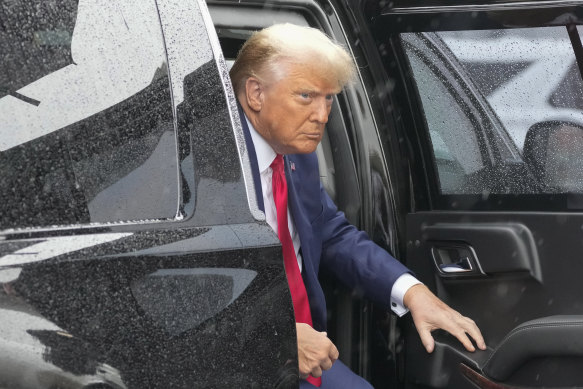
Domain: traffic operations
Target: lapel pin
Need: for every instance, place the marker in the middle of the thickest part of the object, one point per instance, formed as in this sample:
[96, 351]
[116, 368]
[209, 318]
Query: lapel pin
[293, 167]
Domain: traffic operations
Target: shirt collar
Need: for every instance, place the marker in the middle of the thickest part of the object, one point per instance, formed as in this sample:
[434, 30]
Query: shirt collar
[265, 154]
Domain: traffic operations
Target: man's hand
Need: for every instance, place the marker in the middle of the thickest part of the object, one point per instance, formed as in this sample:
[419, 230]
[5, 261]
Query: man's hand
[315, 351]
[430, 313]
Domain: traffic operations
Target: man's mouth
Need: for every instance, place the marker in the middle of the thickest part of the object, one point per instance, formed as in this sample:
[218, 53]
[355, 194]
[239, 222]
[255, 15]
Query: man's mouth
[314, 135]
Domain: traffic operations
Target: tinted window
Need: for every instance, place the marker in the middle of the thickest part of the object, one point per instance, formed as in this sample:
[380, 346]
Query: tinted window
[569, 92]
[514, 98]
[453, 135]
[521, 72]
[87, 128]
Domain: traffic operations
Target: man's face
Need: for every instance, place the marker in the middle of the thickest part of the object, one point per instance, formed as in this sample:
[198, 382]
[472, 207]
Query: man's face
[295, 108]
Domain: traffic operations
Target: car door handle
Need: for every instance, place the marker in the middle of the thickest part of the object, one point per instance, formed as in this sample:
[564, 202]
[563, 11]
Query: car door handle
[515, 250]
[464, 265]
[455, 260]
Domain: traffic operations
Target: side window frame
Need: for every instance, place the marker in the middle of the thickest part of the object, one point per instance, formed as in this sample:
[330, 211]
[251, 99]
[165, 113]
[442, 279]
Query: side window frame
[224, 185]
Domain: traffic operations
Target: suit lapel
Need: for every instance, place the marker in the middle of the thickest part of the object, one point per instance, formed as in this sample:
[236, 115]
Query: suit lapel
[301, 221]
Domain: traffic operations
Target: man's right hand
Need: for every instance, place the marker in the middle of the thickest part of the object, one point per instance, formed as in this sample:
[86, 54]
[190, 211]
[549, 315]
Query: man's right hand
[315, 351]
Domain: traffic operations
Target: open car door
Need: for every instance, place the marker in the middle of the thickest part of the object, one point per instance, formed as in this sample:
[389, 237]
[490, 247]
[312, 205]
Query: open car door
[491, 118]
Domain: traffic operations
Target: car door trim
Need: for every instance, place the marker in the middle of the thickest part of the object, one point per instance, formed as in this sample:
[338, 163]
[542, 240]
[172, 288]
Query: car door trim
[233, 112]
[485, 7]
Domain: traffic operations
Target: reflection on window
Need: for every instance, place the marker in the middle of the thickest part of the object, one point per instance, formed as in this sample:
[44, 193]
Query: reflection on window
[527, 75]
[87, 133]
[522, 86]
[489, 77]
[569, 93]
[456, 149]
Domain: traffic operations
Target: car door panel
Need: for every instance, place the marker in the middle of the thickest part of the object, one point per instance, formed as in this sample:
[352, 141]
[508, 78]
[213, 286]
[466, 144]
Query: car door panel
[548, 337]
[505, 296]
[160, 316]
[452, 243]
[484, 232]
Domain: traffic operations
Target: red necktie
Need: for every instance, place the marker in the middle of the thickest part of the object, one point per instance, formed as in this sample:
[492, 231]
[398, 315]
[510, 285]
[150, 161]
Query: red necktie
[292, 270]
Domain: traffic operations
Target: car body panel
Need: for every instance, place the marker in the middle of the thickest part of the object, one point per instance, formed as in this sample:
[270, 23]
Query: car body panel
[144, 312]
[197, 297]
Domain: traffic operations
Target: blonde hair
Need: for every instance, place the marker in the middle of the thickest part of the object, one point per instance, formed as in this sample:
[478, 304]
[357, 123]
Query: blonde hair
[266, 49]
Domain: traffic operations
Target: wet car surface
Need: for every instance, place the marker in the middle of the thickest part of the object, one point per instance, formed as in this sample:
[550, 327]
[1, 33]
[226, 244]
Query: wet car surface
[132, 250]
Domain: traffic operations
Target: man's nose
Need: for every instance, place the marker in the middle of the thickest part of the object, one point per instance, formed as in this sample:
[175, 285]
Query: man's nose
[321, 111]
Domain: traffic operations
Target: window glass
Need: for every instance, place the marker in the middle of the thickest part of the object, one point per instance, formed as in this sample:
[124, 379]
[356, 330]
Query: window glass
[522, 73]
[87, 128]
[453, 136]
[522, 86]
[568, 94]
[565, 170]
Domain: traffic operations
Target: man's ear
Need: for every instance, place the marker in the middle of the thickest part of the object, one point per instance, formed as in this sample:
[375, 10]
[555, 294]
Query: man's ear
[254, 93]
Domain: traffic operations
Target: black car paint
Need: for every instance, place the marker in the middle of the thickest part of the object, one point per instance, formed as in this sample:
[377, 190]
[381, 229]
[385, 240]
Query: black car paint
[109, 308]
[197, 300]
[388, 147]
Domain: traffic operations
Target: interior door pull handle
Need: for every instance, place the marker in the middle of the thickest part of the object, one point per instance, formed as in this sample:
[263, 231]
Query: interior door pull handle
[464, 265]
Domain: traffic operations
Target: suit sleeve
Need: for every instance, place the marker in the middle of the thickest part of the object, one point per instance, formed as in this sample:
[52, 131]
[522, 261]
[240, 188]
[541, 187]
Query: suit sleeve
[353, 258]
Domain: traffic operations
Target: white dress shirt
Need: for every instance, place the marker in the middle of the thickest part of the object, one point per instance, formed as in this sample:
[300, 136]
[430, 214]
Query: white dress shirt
[265, 156]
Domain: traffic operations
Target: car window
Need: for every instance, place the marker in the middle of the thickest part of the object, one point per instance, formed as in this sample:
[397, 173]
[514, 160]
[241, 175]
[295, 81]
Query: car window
[520, 62]
[568, 94]
[530, 86]
[87, 129]
[453, 136]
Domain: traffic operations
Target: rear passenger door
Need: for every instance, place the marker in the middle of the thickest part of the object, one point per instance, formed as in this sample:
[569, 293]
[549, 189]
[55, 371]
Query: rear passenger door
[490, 100]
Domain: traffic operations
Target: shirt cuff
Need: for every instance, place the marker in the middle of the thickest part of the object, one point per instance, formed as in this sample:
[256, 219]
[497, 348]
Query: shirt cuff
[400, 287]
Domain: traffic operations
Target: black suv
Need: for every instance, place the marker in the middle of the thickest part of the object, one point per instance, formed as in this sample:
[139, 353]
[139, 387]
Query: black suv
[133, 253]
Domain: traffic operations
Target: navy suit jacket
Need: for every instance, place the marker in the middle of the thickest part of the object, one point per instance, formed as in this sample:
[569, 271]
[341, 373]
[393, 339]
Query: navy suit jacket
[327, 239]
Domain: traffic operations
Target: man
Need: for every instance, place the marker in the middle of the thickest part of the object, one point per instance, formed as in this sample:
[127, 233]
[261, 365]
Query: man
[285, 78]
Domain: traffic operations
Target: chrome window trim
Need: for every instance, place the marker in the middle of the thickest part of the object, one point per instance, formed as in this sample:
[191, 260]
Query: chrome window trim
[233, 112]
[179, 216]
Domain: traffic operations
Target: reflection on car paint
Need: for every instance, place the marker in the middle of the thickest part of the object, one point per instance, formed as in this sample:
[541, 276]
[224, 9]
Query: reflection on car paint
[53, 247]
[110, 61]
[180, 299]
[31, 360]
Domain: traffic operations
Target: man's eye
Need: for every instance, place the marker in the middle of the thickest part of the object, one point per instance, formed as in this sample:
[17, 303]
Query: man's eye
[329, 97]
[305, 95]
